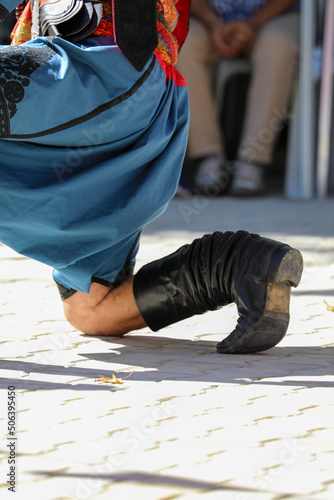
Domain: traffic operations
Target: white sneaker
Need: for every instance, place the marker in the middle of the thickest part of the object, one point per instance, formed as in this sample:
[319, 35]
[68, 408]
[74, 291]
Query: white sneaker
[211, 177]
[247, 179]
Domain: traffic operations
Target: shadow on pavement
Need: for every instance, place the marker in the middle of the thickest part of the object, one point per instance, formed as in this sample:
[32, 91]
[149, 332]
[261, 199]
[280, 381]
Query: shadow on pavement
[163, 358]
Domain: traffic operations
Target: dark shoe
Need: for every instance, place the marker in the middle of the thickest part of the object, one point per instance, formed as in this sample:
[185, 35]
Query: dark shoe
[247, 179]
[218, 269]
[263, 299]
[211, 177]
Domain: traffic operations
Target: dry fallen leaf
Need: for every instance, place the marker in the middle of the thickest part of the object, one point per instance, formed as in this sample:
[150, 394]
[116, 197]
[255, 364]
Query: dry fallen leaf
[112, 380]
[329, 307]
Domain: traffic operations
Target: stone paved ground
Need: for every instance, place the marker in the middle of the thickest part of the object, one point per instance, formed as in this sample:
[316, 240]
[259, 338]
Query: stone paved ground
[188, 423]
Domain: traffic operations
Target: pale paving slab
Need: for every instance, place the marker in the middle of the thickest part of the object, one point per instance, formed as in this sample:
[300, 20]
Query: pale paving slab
[188, 423]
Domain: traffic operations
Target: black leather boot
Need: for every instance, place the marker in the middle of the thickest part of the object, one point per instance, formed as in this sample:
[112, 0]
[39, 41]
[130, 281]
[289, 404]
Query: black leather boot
[254, 272]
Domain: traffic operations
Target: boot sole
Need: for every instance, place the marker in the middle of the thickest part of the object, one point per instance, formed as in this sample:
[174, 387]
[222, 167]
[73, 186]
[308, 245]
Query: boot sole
[285, 270]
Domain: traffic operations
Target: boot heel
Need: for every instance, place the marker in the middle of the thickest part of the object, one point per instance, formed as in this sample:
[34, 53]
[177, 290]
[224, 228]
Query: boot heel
[287, 266]
[283, 273]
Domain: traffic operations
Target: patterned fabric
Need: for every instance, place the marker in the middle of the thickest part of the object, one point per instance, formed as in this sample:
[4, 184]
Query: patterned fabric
[16, 69]
[22, 30]
[231, 10]
[105, 28]
[166, 23]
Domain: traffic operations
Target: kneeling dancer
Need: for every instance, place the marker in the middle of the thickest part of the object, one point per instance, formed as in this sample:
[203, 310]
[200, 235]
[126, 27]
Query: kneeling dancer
[93, 132]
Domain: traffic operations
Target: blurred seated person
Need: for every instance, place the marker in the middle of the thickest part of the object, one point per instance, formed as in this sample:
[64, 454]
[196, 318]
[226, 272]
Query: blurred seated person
[266, 32]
